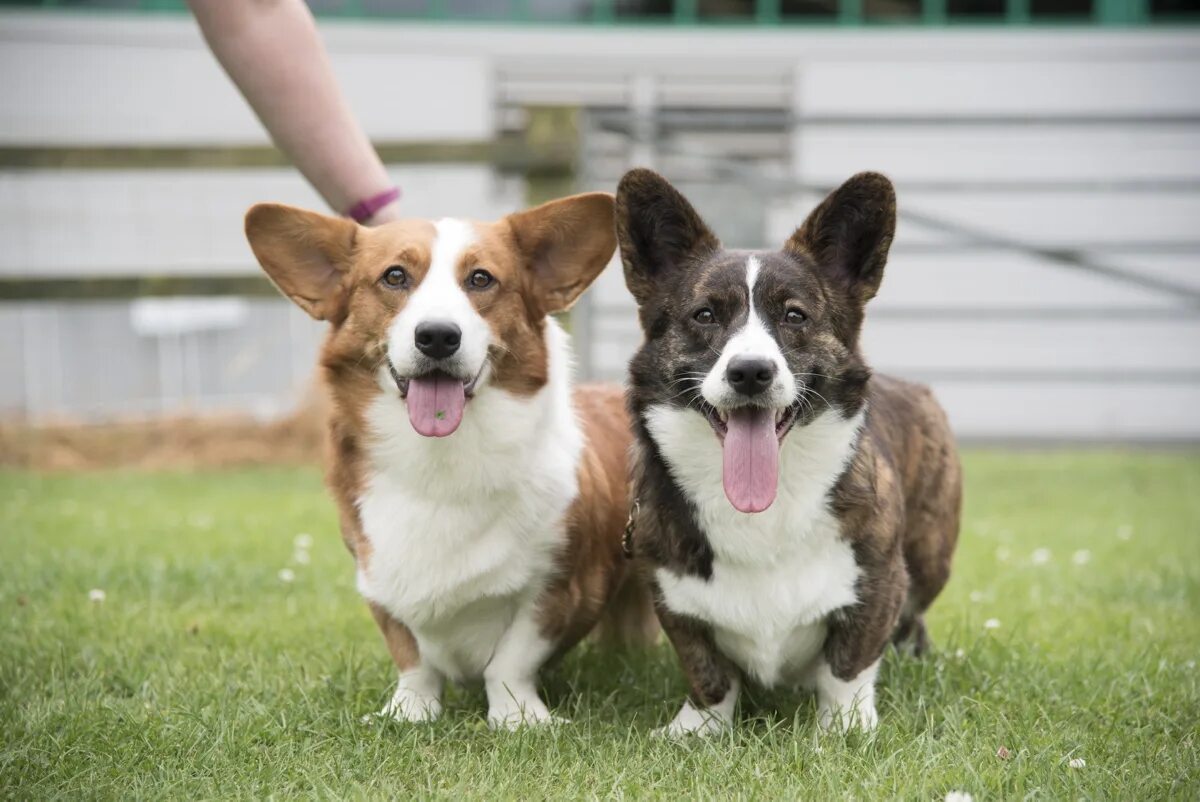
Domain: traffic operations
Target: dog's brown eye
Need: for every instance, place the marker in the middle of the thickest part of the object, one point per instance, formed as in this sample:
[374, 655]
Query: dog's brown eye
[480, 279]
[705, 317]
[394, 277]
[794, 317]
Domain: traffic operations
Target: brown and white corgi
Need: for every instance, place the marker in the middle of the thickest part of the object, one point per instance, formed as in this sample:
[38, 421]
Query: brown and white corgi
[795, 514]
[482, 500]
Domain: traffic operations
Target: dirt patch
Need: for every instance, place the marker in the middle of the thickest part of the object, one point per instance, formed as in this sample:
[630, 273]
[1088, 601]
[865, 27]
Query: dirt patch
[182, 442]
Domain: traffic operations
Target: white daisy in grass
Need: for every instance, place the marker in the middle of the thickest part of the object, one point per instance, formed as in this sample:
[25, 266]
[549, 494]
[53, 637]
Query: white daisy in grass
[960, 654]
[1081, 557]
[97, 596]
[303, 541]
[959, 796]
[992, 623]
[201, 520]
[287, 575]
[300, 557]
[1041, 556]
[1077, 763]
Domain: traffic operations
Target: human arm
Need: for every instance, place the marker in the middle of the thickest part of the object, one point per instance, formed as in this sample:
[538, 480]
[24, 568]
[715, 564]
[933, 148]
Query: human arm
[271, 50]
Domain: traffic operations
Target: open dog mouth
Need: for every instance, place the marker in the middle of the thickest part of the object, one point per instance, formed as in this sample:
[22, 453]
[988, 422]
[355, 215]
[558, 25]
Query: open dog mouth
[718, 419]
[402, 382]
[751, 438]
[436, 399]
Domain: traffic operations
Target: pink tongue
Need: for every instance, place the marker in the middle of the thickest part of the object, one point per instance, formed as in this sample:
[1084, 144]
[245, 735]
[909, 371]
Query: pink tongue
[435, 404]
[751, 459]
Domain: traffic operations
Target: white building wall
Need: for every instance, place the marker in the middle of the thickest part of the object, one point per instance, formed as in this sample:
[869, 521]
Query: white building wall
[1017, 345]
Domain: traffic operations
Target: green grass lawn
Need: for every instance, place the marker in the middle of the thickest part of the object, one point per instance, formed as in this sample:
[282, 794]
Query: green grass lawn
[1070, 630]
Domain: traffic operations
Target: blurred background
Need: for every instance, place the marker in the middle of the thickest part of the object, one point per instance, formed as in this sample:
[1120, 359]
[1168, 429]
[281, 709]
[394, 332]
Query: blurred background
[1045, 277]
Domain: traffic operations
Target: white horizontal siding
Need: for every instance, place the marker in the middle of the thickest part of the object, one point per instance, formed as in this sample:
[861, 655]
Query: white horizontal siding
[981, 152]
[1063, 347]
[115, 79]
[129, 222]
[68, 82]
[1071, 219]
[1054, 411]
[1016, 345]
[994, 85]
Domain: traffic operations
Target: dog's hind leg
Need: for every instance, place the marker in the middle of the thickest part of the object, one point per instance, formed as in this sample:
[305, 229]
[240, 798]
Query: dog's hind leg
[911, 637]
[629, 619]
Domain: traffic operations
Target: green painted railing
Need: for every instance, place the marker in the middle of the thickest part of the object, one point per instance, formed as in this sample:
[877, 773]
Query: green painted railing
[763, 13]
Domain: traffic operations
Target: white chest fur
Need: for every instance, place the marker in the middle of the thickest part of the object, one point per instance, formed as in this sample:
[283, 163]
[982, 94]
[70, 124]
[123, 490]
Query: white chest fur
[463, 528]
[776, 574]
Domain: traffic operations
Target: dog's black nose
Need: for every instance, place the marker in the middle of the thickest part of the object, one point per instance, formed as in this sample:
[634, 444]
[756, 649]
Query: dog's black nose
[438, 339]
[750, 375]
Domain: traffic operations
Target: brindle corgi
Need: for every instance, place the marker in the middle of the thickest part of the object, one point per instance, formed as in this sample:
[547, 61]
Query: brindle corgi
[794, 513]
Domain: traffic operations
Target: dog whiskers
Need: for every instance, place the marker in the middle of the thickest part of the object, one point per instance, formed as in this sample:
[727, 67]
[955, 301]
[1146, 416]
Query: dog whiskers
[817, 376]
[818, 395]
[684, 391]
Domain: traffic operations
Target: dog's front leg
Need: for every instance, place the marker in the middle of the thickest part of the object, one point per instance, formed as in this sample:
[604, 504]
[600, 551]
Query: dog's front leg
[713, 681]
[845, 673]
[510, 677]
[418, 696]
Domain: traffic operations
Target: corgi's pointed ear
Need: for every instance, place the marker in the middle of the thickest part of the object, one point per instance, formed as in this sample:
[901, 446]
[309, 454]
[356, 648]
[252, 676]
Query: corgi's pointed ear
[848, 235]
[307, 255]
[565, 243]
[657, 229]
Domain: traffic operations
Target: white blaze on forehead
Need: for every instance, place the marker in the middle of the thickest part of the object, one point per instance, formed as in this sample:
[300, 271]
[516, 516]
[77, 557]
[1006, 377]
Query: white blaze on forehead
[441, 289]
[752, 340]
[440, 296]
[452, 238]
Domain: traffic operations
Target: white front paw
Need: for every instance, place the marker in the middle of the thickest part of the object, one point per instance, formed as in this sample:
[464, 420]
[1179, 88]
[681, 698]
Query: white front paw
[691, 721]
[833, 717]
[512, 717]
[407, 705]
[844, 705]
[515, 704]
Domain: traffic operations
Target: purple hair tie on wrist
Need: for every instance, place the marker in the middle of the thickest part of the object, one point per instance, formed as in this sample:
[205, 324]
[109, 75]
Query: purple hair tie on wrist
[365, 209]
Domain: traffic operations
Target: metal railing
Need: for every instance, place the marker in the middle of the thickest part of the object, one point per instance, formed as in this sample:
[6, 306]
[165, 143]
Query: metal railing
[760, 13]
